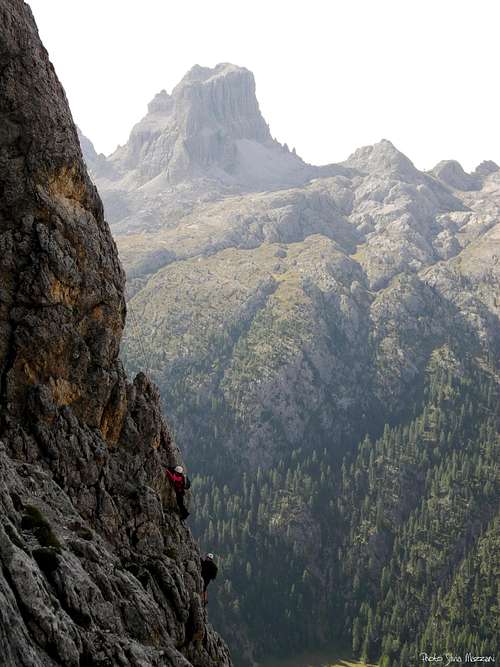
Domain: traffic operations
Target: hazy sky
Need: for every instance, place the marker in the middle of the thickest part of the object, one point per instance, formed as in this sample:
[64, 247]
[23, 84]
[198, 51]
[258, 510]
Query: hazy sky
[332, 75]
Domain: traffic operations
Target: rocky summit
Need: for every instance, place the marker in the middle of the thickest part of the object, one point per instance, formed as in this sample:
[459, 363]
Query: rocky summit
[209, 128]
[95, 566]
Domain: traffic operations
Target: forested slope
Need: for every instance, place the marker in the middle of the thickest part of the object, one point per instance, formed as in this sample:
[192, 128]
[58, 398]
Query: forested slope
[394, 550]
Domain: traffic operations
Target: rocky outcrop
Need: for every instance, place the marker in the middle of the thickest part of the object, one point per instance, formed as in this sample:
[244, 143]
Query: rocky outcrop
[210, 128]
[96, 162]
[95, 566]
[451, 172]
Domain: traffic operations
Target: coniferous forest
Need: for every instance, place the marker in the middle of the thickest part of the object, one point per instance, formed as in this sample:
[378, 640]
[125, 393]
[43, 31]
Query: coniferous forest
[393, 549]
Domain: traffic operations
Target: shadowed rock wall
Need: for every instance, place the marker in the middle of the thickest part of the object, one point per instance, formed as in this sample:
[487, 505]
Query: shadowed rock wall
[95, 567]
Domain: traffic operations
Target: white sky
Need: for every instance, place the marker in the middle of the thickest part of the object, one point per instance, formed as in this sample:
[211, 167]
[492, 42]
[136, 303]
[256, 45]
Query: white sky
[332, 75]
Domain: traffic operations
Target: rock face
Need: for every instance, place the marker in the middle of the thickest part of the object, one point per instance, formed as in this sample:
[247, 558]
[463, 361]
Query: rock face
[209, 128]
[96, 567]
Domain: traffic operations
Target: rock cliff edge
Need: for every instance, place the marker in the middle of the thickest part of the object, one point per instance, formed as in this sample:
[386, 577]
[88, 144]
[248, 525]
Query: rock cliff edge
[95, 566]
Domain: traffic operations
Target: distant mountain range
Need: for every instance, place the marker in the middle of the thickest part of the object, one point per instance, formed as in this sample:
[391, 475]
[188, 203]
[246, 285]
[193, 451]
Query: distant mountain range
[282, 306]
[258, 279]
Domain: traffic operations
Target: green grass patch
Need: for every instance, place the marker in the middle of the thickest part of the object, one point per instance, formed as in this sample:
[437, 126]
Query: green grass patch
[323, 659]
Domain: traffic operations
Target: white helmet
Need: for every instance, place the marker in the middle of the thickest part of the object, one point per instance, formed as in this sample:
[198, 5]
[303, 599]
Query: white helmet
[210, 556]
[179, 469]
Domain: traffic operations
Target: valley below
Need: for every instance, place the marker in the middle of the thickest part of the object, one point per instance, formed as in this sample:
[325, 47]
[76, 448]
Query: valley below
[322, 659]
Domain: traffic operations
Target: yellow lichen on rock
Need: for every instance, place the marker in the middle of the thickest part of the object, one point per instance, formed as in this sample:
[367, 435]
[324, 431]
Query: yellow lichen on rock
[64, 392]
[67, 183]
[63, 294]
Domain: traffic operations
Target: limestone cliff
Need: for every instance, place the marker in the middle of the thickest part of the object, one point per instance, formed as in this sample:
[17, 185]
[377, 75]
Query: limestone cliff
[209, 130]
[95, 566]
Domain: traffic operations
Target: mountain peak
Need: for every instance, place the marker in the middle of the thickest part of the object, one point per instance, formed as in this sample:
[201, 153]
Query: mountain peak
[88, 150]
[486, 168]
[210, 127]
[382, 158]
[161, 103]
[221, 99]
[199, 74]
[452, 174]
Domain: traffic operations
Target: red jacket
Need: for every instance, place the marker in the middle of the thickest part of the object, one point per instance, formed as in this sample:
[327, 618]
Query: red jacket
[177, 479]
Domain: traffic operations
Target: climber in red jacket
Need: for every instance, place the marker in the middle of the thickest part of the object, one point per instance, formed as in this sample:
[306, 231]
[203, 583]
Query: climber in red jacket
[181, 484]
